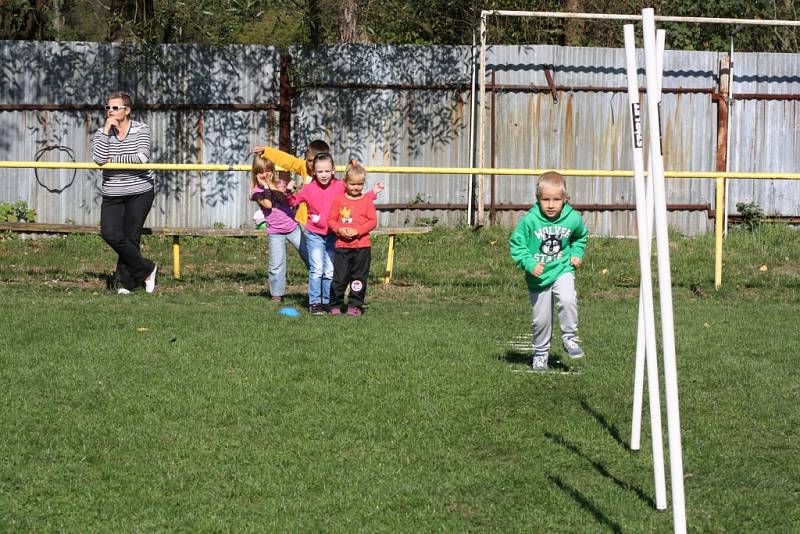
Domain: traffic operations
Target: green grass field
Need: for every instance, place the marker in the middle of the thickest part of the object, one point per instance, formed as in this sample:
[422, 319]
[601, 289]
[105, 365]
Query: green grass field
[200, 409]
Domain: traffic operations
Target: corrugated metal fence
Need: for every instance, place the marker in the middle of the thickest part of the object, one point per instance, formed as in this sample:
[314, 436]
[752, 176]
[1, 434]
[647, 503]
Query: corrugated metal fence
[392, 105]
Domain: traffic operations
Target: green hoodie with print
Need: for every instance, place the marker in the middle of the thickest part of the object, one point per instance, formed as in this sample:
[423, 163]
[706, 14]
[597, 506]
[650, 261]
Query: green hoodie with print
[537, 239]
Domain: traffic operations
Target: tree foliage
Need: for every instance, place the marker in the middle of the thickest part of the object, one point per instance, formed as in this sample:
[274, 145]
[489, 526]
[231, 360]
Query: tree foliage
[446, 22]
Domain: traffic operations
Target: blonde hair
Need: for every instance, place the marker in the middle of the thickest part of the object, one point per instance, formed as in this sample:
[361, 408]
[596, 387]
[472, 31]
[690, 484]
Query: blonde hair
[354, 169]
[262, 165]
[551, 179]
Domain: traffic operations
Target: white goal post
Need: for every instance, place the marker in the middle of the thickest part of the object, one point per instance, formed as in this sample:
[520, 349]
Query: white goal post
[592, 16]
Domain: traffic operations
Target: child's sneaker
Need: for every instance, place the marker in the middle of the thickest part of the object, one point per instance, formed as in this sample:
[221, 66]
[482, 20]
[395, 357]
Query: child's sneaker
[539, 362]
[335, 310]
[354, 311]
[572, 347]
[316, 309]
[150, 281]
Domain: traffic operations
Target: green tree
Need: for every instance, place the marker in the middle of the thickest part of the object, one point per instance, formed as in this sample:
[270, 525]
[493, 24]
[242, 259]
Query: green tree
[446, 22]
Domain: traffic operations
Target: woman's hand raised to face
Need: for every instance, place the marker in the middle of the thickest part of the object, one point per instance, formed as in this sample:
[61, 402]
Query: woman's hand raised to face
[111, 122]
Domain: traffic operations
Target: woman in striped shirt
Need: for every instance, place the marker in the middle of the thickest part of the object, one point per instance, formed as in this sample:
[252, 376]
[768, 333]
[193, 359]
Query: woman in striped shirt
[127, 194]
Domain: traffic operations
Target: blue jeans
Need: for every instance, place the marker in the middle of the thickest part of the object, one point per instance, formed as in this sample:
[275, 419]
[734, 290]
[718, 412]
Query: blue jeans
[321, 249]
[277, 258]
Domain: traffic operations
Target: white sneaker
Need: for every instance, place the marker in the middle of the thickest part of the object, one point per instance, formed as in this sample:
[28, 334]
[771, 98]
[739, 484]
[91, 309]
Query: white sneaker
[572, 348]
[123, 291]
[150, 281]
[539, 362]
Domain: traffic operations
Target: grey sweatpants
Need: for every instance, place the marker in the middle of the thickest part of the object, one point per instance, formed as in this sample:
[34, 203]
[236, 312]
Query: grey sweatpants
[563, 289]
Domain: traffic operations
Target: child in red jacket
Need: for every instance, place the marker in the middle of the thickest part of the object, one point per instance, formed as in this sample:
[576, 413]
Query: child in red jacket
[352, 217]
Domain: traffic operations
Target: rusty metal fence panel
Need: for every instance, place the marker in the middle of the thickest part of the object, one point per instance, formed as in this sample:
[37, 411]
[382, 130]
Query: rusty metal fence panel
[393, 105]
[203, 105]
[765, 130]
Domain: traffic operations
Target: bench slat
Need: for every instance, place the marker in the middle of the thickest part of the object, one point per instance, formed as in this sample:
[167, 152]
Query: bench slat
[45, 228]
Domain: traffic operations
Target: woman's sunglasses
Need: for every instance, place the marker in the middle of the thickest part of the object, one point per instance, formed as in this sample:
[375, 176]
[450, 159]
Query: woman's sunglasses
[115, 108]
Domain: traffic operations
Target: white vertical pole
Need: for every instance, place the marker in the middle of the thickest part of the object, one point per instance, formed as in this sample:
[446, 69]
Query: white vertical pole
[636, 421]
[664, 278]
[482, 119]
[472, 105]
[652, 377]
[646, 343]
[638, 370]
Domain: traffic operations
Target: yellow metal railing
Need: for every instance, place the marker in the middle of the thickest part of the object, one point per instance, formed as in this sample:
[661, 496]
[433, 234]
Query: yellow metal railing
[398, 170]
[718, 176]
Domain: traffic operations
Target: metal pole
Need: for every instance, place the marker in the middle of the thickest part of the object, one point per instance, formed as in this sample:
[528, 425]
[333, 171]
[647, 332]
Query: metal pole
[609, 16]
[492, 143]
[726, 201]
[399, 170]
[664, 277]
[481, 120]
[472, 104]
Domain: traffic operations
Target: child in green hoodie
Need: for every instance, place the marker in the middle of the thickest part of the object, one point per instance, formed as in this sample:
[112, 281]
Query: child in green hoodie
[548, 244]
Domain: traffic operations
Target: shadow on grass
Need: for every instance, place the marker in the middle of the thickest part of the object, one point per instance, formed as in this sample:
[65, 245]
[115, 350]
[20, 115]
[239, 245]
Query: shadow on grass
[600, 468]
[585, 503]
[518, 357]
[610, 428]
[298, 300]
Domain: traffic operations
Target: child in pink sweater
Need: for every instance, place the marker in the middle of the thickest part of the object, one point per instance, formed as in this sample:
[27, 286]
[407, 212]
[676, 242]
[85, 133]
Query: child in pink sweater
[318, 196]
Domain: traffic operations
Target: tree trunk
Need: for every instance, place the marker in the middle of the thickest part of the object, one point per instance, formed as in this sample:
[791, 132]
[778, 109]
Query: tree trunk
[348, 21]
[573, 28]
[129, 18]
[34, 22]
[313, 23]
[57, 17]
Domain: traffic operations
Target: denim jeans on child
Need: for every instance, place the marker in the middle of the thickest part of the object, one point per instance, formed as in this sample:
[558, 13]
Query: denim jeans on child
[277, 258]
[321, 249]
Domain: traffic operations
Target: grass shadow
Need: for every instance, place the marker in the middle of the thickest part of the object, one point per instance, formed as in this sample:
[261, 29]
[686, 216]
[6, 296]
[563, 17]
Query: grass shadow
[610, 428]
[516, 357]
[585, 503]
[600, 468]
[298, 300]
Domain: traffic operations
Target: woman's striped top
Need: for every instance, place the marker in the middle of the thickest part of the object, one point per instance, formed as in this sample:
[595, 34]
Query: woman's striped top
[135, 148]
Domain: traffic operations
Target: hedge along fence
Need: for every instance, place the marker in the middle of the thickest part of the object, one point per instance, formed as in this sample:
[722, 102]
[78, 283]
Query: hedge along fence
[389, 106]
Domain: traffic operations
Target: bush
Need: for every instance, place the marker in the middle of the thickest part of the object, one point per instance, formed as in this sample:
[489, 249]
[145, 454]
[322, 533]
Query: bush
[18, 212]
[752, 214]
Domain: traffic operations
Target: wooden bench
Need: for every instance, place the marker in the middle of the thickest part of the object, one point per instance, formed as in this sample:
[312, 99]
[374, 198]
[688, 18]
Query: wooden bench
[177, 233]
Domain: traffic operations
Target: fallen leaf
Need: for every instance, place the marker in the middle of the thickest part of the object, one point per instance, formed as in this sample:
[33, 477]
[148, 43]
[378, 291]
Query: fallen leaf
[763, 268]
[142, 329]
[707, 325]
[604, 272]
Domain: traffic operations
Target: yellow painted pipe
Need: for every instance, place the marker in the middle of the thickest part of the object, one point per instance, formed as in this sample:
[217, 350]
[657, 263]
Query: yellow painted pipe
[718, 228]
[176, 256]
[389, 261]
[398, 170]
